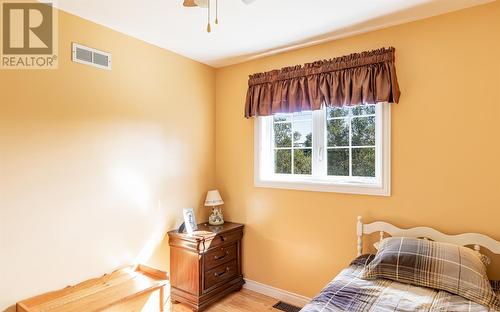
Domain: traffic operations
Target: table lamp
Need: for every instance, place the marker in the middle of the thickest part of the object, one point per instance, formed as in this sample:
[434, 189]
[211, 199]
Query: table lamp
[214, 200]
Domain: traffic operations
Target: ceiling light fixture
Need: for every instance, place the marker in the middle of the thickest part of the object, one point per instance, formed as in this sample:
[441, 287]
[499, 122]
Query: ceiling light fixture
[206, 4]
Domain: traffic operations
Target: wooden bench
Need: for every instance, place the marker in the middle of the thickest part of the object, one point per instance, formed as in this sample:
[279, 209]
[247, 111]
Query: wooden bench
[111, 292]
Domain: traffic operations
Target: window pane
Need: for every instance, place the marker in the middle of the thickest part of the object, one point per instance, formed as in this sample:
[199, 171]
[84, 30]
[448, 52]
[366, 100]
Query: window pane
[337, 112]
[363, 110]
[282, 117]
[338, 132]
[338, 162]
[302, 161]
[363, 131]
[302, 134]
[283, 161]
[363, 162]
[283, 135]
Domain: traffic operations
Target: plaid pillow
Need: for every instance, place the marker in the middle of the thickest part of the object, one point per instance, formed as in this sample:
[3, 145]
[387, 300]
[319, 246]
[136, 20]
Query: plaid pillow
[484, 258]
[443, 266]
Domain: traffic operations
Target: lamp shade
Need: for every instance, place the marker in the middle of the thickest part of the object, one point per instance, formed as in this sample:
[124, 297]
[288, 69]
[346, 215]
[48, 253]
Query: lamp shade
[213, 198]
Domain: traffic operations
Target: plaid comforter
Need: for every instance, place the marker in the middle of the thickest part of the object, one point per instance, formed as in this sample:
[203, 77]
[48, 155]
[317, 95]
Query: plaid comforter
[348, 292]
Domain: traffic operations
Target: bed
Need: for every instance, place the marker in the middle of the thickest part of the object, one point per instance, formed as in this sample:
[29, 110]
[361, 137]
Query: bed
[351, 291]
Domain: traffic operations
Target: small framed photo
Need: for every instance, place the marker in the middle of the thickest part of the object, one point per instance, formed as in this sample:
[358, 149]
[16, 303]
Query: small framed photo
[189, 220]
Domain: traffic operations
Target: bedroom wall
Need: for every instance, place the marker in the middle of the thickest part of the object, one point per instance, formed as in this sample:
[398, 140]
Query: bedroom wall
[445, 168]
[96, 165]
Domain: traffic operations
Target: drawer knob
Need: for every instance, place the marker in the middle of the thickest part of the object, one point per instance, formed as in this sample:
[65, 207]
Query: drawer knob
[222, 238]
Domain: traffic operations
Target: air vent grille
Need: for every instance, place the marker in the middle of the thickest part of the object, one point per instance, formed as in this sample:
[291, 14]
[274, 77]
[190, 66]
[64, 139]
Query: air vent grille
[83, 55]
[90, 56]
[101, 59]
[282, 306]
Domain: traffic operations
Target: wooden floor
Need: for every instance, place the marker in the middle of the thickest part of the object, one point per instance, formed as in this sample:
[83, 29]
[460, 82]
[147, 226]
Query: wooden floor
[241, 301]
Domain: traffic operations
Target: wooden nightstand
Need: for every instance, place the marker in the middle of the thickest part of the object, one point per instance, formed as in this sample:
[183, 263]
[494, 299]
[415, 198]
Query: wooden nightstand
[206, 265]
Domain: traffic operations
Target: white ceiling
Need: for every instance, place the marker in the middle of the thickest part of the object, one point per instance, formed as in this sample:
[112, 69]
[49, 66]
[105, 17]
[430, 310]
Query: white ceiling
[249, 31]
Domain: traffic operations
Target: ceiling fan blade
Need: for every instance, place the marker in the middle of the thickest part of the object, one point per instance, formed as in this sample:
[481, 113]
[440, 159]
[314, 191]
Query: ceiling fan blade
[201, 3]
[189, 3]
[204, 3]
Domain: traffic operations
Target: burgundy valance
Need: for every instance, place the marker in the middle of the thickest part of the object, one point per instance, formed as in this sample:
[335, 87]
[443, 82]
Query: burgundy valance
[359, 78]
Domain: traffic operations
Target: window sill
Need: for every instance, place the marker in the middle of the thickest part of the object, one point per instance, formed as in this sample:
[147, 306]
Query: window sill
[325, 186]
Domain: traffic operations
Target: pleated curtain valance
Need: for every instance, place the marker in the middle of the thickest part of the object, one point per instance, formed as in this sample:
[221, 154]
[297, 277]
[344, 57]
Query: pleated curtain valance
[359, 78]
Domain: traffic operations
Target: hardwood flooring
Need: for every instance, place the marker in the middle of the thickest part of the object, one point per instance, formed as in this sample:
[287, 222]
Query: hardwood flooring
[241, 301]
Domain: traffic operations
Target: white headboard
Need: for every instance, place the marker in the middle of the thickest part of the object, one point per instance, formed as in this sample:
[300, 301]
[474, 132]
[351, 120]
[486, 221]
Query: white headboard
[467, 239]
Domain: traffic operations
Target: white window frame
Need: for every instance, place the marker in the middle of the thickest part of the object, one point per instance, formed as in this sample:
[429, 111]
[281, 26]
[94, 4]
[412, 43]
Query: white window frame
[264, 175]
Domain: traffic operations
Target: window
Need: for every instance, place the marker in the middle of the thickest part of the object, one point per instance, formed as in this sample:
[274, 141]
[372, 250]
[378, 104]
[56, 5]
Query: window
[292, 136]
[351, 141]
[344, 150]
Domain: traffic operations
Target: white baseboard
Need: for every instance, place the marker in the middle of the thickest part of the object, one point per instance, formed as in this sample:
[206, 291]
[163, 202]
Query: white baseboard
[280, 294]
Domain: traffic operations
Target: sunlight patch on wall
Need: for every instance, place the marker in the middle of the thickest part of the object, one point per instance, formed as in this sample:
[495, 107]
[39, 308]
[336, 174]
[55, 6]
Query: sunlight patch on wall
[131, 185]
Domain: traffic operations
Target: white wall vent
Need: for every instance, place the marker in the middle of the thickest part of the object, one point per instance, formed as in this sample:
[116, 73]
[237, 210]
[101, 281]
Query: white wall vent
[90, 56]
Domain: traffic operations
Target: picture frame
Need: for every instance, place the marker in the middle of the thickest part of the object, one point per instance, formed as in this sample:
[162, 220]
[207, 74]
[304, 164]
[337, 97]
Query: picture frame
[189, 220]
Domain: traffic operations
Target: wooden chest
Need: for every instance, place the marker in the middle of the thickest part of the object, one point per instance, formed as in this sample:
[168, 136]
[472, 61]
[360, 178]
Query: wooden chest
[206, 265]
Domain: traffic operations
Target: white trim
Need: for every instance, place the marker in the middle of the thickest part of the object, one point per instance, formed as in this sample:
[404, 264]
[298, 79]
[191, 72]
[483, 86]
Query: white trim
[379, 186]
[321, 186]
[273, 292]
[386, 150]
[467, 239]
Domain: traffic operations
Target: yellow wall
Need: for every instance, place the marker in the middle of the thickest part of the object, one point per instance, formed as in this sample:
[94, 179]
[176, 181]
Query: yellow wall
[96, 165]
[445, 153]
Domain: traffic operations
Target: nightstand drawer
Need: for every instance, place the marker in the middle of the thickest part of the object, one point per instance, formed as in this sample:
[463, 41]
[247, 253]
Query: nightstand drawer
[221, 274]
[220, 256]
[223, 239]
